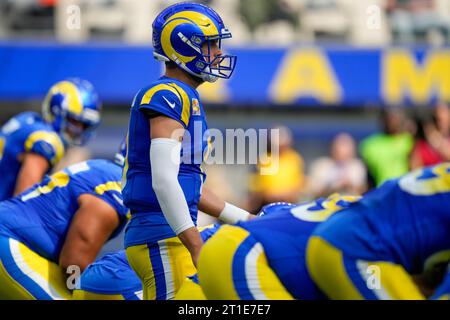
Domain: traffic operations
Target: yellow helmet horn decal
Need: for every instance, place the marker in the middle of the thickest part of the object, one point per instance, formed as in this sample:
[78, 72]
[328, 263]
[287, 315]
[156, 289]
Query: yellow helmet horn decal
[69, 89]
[205, 24]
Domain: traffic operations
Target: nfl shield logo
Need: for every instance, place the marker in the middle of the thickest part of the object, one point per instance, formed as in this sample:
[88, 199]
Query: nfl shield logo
[195, 107]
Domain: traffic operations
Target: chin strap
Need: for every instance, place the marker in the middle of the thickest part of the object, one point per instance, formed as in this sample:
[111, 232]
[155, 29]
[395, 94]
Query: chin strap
[209, 78]
[205, 77]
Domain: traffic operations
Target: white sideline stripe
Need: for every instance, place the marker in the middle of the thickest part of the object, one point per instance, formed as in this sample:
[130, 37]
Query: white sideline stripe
[41, 282]
[164, 253]
[251, 272]
[362, 268]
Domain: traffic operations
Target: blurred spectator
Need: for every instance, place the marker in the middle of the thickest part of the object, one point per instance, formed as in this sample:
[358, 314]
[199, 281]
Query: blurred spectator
[257, 12]
[326, 20]
[341, 172]
[432, 143]
[286, 183]
[413, 19]
[386, 154]
[33, 16]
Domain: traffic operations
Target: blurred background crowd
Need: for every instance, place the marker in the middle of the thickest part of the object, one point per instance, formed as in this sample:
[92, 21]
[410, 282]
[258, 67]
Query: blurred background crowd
[348, 120]
[277, 22]
[405, 141]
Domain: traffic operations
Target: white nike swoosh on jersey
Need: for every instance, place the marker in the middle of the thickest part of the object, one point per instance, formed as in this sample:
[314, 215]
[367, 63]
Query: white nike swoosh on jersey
[171, 104]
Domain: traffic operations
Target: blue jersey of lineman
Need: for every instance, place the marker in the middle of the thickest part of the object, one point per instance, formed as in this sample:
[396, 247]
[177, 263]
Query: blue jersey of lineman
[405, 221]
[40, 217]
[284, 231]
[26, 132]
[176, 100]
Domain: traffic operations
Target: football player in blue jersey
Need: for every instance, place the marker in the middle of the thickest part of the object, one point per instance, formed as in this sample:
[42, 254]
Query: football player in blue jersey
[167, 143]
[264, 258]
[376, 245]
[111, 277]
[60, 224]
[31, 144]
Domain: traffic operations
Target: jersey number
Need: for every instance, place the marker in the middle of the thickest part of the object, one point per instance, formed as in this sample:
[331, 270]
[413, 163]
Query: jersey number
[59, 179]
[318, 212]
[427, 181]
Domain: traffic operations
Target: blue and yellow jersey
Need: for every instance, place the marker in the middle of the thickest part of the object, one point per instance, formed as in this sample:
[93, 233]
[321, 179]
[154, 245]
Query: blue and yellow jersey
[405, 221]
[112, 275]
[26, 132]
[40, 217]
[208, 231]
[284, 230]
[176, 100]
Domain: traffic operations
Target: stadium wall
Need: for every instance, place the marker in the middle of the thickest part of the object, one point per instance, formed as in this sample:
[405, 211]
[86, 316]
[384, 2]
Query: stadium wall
[297, 76]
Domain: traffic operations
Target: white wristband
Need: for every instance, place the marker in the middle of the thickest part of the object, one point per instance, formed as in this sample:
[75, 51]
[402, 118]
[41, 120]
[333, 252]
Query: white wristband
[232, 214]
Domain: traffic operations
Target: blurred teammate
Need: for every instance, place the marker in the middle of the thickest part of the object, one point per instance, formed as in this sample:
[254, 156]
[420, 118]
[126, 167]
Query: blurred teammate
[63, 221]
[168, 126]
[375, 245]
[111, 277]
[265, 258]
[31, 144]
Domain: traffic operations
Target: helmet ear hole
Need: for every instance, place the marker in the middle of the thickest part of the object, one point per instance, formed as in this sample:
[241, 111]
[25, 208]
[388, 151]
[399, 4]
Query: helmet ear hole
[55, 110]
[57, 105]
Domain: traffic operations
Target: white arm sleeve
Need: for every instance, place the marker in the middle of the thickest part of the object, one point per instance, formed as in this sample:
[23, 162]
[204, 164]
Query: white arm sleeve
[165, 164]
